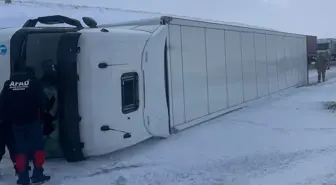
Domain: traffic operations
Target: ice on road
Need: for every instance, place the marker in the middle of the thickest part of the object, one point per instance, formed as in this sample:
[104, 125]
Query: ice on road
[285, 139]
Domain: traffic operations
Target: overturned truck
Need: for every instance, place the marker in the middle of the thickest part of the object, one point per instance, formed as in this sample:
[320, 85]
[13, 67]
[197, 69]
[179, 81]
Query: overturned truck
[120, 84]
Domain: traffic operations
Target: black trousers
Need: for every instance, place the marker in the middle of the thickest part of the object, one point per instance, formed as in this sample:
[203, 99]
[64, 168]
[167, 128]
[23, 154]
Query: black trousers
[7, 140]
[321, 73]
[29, 140]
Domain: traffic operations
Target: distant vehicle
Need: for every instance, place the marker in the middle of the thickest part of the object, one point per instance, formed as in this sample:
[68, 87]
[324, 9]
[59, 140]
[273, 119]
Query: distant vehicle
[329, 45]
[311, 48]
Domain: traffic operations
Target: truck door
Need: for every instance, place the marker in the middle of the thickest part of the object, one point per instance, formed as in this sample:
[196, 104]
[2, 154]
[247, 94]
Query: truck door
[117, 88]
[69, 118]
[155, 79]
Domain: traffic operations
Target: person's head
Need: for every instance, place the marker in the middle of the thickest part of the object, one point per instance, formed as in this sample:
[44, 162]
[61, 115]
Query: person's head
[48, 67]
[49, 72]
[321, 54]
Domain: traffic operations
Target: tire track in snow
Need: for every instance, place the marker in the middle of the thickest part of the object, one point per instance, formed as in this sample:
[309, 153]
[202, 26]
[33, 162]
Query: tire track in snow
[263, 164]
[236, 171]
[284, 130]
[312, 171]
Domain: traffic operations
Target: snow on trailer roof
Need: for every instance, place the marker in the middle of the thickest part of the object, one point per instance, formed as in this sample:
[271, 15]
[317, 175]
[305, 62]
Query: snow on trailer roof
[220, 22]
[168, 19]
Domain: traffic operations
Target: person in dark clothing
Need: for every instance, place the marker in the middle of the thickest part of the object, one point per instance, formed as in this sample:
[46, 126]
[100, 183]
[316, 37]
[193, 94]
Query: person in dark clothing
[23, 101]
[49, 80]
[321, 65]
[7, 140]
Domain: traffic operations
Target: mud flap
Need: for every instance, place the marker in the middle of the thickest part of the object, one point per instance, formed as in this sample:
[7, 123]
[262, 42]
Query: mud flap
[69, 118]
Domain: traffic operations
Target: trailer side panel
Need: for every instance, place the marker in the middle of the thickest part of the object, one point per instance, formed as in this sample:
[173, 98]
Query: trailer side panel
[249, 66]
[254, 63]
[234, 68]
[271, 63]
[261, 63]
[176, 76]
[194, 72]
[216, 64]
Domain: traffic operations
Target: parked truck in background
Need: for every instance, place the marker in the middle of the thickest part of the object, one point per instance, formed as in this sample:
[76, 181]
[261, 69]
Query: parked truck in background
[329, 45]
[311, 42]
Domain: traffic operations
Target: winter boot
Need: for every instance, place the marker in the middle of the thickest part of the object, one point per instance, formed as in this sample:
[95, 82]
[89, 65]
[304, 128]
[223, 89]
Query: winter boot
[23, 178]
[17, 172]
[39, 177]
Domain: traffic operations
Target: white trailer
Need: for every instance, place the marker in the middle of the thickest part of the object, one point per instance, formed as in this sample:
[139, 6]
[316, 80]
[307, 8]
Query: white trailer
[150, 78]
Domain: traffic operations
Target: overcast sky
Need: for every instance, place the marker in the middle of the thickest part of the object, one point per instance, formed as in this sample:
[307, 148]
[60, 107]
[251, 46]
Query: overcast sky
[311, 17]
[315, 17]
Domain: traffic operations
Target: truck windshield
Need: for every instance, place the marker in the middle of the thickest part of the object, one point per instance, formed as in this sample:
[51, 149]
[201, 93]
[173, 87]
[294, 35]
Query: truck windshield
[323, 46]
[41, 48]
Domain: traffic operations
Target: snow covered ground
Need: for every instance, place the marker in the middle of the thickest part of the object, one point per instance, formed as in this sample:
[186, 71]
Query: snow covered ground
[285, 139]
[313, 74]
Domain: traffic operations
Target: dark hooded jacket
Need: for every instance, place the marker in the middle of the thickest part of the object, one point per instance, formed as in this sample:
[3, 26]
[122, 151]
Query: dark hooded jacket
[322, 62]
[22, 99]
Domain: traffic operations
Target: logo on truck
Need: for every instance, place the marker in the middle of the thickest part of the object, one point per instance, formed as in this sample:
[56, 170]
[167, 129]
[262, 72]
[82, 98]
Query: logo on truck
[3, 50]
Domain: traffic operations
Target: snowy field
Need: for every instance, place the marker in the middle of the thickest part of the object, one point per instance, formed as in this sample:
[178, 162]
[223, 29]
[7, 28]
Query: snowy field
[285, 139]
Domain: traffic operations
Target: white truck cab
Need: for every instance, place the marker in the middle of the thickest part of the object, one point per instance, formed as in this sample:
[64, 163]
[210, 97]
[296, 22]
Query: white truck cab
[101, 76]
